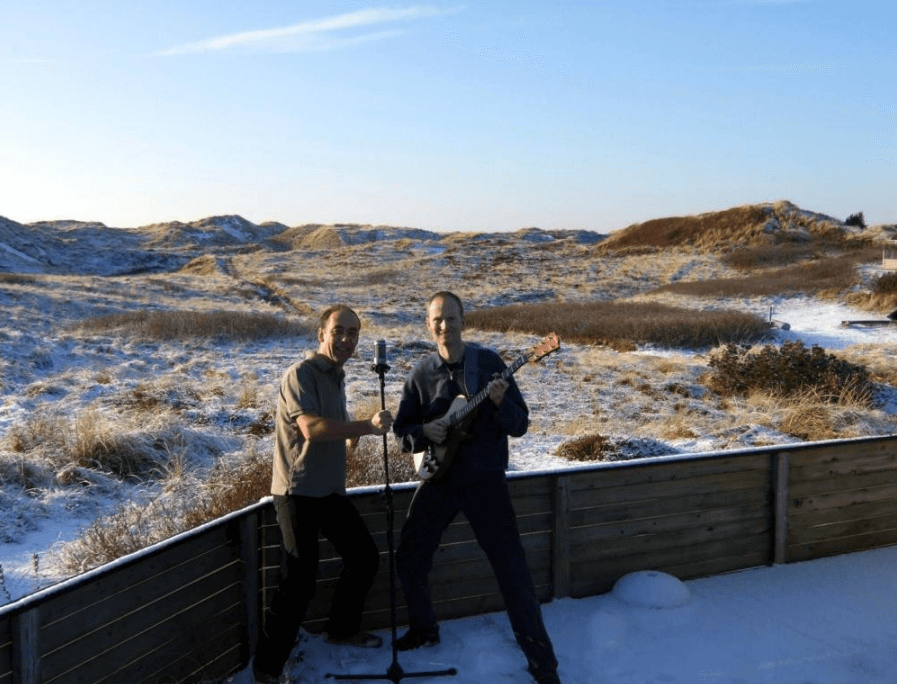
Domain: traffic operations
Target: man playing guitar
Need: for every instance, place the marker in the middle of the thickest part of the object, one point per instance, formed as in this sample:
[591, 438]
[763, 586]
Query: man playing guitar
[474, 482]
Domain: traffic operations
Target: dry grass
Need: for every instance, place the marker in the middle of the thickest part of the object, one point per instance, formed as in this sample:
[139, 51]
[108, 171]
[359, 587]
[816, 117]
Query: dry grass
[185, 502]
[623, 325]
[820, 276]
[737, 225]
[364, 460]
[809, 415]
[168, 325]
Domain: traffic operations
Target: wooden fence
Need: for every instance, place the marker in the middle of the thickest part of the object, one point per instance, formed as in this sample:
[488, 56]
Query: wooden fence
[187, 609]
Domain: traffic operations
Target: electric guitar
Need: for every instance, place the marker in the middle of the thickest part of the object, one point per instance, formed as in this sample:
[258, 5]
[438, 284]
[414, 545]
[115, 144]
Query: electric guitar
[432, 463]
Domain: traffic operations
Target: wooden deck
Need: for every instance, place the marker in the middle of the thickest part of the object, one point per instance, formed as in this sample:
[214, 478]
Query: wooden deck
[188, 609]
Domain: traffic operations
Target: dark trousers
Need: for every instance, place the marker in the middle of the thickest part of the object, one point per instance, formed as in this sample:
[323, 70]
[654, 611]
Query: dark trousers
[487, 504]
[301, 518]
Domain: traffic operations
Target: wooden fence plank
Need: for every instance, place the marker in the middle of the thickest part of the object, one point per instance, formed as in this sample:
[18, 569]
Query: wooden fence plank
[148, 599]
[846, 464]
[658, 524]
[117, 643]
[803, 456]
[604, 513]
[697, 485]
[213, 657]
[585, 546]
[660, 472]
[842, 499]
[832, 547]
[128, 580]
[811, 518]
[842, 483]
[848, 528]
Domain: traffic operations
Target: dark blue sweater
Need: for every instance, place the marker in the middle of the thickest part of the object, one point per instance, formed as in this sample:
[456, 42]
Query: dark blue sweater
[429, 391]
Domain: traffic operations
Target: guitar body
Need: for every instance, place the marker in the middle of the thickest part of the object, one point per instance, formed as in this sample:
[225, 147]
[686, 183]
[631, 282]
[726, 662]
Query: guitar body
[436, 460]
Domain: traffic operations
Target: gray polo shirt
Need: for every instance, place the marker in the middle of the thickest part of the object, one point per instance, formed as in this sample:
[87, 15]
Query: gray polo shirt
[317, 387]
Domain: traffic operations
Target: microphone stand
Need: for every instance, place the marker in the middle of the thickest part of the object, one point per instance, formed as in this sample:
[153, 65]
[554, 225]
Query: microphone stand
[394, 672]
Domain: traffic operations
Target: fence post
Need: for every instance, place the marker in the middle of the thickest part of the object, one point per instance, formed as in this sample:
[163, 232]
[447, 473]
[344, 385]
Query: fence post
[26, 647]
[561, 546]
[249, 554]
[780, 493]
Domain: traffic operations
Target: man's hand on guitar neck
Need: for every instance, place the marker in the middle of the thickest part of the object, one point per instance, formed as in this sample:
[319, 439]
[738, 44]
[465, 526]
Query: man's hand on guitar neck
[496, 389]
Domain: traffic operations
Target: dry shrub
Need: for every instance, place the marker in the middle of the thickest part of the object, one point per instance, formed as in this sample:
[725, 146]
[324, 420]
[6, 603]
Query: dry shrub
[586, 448]
[364, 459]
[364, 464]
[880, 361]
[94, 443]
[821, 275]
[596, 447]
[186, 503]
[231, 486]
[811, 415]
[756, 257]
[250, 392]
[169, 325]
[789, 254]
[623, 325]
[377, 276]
[18, 278]
[41, 428]
[25, 473]
[789, 370]
[885, 284]
[92, 440]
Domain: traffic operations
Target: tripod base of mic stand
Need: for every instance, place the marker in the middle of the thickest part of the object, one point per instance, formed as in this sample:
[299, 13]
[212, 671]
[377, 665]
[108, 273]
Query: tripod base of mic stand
[395, 674]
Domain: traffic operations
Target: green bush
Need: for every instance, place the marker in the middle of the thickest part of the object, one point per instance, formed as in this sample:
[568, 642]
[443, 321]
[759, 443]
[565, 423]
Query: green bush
[856, 219]
[786, 371]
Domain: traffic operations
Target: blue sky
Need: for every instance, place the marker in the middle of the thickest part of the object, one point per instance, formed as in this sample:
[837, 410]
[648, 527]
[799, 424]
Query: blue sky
[445, 116]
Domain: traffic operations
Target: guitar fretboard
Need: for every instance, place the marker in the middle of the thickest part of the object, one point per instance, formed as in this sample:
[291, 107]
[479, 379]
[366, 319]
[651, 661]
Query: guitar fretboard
[480, 396]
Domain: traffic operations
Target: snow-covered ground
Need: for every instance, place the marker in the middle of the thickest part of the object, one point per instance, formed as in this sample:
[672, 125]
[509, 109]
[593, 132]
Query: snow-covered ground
[824, 622]
[829, 621]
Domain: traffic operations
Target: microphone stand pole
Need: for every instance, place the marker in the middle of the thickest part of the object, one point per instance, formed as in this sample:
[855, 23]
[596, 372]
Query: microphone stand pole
[394, 672]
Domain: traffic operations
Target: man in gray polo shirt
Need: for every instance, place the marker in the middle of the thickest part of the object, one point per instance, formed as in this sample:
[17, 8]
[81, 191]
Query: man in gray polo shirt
[309, 488]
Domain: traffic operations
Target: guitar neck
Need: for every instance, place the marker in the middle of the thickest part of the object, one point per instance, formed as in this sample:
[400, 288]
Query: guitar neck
[480, 396]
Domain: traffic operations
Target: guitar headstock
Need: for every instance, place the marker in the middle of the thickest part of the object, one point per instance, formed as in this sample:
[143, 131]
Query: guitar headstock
[550, 344]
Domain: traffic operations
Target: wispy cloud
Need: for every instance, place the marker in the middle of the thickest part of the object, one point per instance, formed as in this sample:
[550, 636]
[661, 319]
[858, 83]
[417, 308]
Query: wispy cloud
[793, 69]
[319, 34]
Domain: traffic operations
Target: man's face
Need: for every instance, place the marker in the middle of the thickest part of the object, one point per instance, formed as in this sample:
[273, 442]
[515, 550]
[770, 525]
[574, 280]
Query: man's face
[445, 322]
[339, 337]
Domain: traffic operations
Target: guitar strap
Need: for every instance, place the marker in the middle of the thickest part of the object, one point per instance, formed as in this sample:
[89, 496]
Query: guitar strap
[471, 374]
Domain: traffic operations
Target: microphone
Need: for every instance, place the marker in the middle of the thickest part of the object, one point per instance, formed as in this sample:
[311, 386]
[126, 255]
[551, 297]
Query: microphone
[380, 353]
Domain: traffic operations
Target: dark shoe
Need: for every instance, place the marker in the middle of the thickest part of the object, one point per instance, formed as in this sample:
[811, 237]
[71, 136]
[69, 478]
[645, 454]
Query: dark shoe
[549, 677]
[360, 639]
[262, 677]
[417, 637]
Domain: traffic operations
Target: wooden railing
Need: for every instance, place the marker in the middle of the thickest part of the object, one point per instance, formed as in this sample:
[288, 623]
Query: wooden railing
[188, 609]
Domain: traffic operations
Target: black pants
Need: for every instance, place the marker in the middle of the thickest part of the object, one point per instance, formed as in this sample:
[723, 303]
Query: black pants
[301, 518]
[487, 504]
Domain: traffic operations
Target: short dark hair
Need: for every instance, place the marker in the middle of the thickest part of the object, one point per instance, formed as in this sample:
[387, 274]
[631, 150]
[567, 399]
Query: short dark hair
[337, 308]
[445, 294]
